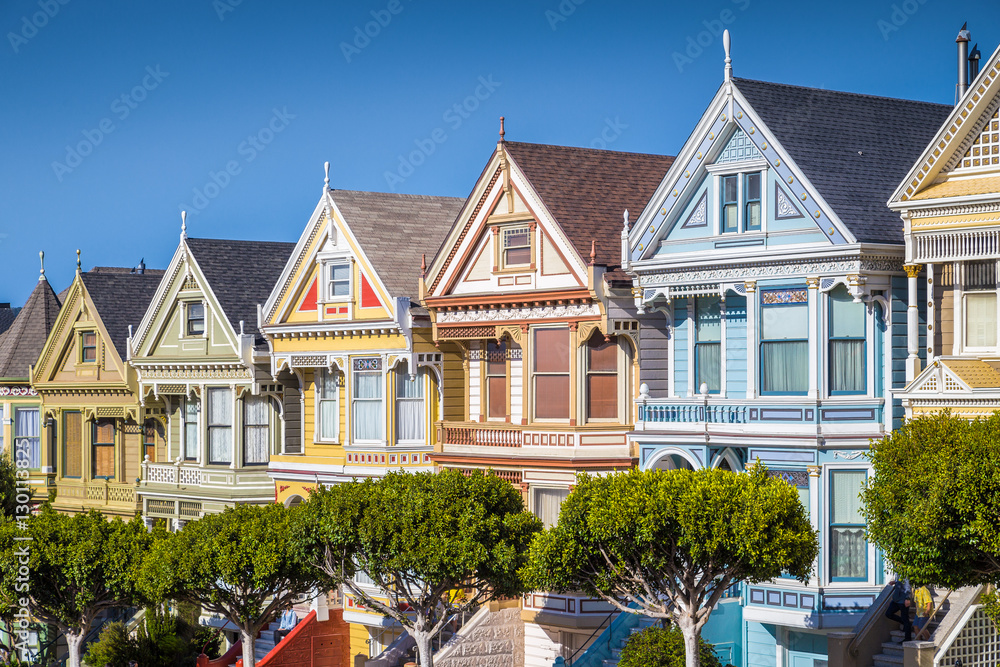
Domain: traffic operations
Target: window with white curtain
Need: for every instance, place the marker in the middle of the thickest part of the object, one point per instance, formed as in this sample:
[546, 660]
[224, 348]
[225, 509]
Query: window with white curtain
[27, 436]
[220, 425]
[546, 504]
[847, 343]
[366, 399]
[190, 416]
[848, 546]
[256, 429]
[328, 408]
[708, 343]
[784, 346]
[981, 319]
[409, 405]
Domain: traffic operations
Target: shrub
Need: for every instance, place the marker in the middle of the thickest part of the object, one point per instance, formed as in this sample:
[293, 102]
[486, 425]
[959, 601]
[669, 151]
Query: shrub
[663, 647]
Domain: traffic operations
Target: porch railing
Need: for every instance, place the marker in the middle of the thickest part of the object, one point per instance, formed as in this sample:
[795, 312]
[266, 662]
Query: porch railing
[170, 473]
[487, 436]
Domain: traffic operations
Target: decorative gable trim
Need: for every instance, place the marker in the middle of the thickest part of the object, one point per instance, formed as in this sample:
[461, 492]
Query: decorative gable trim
[785, 207]
[982, 145]
[295, 261]
[739, 149]
[699, 216]
[938, 379]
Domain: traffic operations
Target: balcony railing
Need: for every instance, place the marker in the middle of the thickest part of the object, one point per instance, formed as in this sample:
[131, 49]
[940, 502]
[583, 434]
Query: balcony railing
[762, 411]
[170, 473]
[95, 492]
[687, 412]
[953, 246]
[487, 436]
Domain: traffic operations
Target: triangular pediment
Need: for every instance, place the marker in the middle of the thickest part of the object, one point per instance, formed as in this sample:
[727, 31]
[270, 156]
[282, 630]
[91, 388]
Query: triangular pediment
[938, 379]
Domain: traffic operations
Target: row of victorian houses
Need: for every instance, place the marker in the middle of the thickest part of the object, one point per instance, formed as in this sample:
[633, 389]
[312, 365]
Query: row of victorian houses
[753, 297]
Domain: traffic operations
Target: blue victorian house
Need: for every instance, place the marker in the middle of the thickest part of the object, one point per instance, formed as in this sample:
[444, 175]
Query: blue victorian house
[778, 269]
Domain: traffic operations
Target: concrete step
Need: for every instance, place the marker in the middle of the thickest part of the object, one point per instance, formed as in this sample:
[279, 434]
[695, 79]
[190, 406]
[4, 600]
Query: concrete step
[892, 648]
[884, 660]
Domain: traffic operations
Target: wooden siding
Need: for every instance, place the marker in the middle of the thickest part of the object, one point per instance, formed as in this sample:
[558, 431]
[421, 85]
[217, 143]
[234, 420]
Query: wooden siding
[681, 334]
[736, 346]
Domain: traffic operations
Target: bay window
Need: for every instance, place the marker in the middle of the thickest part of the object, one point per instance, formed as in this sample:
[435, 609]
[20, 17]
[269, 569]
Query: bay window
[27, 436]
[409, 405]
[848, 546]
[103, 447]
[847, 343]
[550, 373]
[367, 400]
[190, 425]
[256, 430]
[72, 444]
[220, 425]
[602, 379]
[784, 347]
[708, 343]
[328, 405]
[496, 380]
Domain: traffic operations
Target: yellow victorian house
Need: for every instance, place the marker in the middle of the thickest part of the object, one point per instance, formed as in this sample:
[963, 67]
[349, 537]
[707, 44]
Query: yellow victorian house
[950, 208]
[22, 430]
[360, 371]
[88, 392]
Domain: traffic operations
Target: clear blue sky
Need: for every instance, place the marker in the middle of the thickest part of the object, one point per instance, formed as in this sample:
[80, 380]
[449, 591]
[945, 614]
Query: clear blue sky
[200, 77]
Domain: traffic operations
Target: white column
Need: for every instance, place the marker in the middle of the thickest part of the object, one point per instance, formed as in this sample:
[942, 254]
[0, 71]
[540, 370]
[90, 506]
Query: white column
[812, 290]
[753, 337]
[814, 515]
[930, 314]
[912, 332]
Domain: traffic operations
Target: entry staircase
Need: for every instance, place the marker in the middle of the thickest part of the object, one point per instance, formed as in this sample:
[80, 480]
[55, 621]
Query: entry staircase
[606, 649]
[455, 640]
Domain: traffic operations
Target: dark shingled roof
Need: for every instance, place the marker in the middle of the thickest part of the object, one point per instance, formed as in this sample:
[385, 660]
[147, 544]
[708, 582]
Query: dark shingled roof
[395, 231]
[855, 149]
[7, 315]
[241, 274]
[121, 298]
[21, 344]
[587, 191]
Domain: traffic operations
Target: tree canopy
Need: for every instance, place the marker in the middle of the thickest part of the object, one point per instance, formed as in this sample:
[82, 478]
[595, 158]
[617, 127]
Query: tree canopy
[669, 543]
[434, 544]
[72, 567]
[933, 502]
[238, 564]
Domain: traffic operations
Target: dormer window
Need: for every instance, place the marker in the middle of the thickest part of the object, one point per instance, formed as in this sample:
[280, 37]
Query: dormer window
[740, 199]
[196, 319]
[339, 280]
[516, 246]
[88, 347]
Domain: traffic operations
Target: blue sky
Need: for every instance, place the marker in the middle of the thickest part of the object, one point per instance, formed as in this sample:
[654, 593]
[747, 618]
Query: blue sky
[114, 115]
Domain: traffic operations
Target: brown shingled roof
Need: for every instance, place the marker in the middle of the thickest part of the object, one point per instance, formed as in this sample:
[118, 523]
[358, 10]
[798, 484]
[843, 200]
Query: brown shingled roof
[23, 341]
[587, 190]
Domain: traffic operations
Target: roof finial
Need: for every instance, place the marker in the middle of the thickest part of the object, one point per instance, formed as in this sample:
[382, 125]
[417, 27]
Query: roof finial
[625, 220]
[77, 260]
[423, 265]
[41, 260]
[326, 182]
[726, 44]
[184, 225]
[593, 251]
[501, 129]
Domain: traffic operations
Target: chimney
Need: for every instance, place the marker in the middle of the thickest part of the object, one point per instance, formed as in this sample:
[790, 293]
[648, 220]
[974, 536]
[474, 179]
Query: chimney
[5, 306]
[963, 62]
[974, 56]
[141, 269]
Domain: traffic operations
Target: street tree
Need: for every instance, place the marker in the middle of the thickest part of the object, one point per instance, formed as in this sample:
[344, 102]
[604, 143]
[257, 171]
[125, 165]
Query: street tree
[65, 570]
[667, 544]
[237, 564]
[934, 497]
[435, 545]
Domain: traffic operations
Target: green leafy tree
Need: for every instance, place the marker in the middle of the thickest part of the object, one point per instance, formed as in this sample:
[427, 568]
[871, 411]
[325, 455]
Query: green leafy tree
[663, 647]
[435, 544]
[238, 564]
[14, 495]
[934, 498]
[163, 639]
[670, 543]
[72, 568]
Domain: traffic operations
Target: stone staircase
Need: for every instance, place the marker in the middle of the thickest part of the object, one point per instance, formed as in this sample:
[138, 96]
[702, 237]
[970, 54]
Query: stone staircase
[892, 651]
[616, 652]
[494, 638]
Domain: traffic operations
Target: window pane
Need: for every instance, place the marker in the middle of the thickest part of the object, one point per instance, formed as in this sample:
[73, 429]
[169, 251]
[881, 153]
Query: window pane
[516, 237]
[847, 497]
[753, 187]
[26, 436]
[256, 429]
[602, 396]
[848, 553]
[847, 319]
[104, 432]
[847, 365]
[73, 439]
[340, 272]
[981, 320]
[752, 221]
[602, 356]
[552, 396]
[516, 256]
[405, 387]
[784, 367]
[104, 461]
[709, 360]
[708, 319]
[190, 428]
[328, 384]
[547, 504]
[368, 385]
[551, 351]
[496, 358]
[496, 392]
[328, 419]
[220, 421]
[980, 275]
[785, 322]
[729, 189]
[368, 420]
[729, 221]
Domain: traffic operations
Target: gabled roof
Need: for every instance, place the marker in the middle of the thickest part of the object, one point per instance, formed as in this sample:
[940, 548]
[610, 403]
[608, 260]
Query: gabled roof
[23, 341]
[241, 274]
[396, 230]
[853, 148]
[121, 298]
[587, 190]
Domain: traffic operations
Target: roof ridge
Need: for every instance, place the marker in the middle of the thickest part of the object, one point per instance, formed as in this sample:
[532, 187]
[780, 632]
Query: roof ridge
[588, 149]
[394, 194]
[843, 92]
[256, 242]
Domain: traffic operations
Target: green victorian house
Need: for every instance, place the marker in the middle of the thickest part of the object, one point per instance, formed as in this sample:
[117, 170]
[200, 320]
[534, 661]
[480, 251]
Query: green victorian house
[203, 371]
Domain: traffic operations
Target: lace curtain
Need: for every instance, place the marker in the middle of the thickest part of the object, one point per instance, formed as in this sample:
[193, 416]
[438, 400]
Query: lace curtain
[256, 429]
[409, 405]
[368, 406]
[26, 436]
[220, 425]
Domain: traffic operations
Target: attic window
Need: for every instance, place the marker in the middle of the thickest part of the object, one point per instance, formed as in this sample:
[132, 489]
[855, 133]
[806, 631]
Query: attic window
[88, 347]
[196, 319]
[516, 246]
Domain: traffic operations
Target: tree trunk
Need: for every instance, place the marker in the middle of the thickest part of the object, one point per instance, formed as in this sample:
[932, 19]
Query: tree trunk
[425, 657]
[73, 642]
[692, 658]
[249, 648]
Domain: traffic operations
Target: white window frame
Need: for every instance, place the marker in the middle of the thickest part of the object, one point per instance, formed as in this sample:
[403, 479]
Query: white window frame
[185, 449]
[969, 349]
[533, 497]
[621, 375]
[532, 374]
[826, 550]
[421, 377]
[506, 231]
[382, 412]
[318, 399]
[233, 416]
[326, 269]
[741, 170]
[187, 318]
[269, 426]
